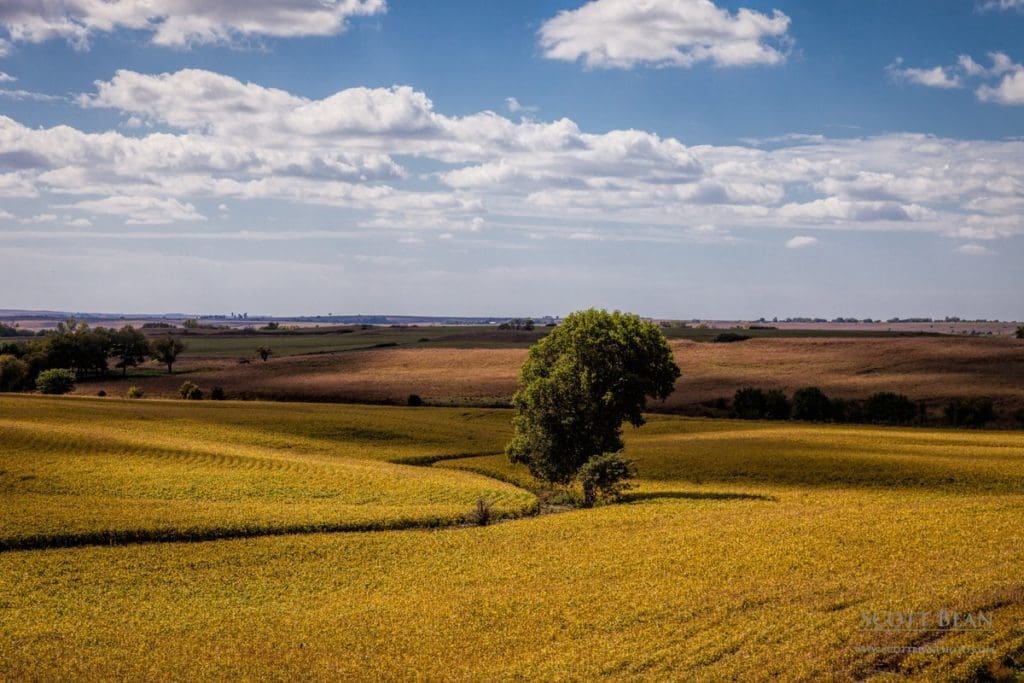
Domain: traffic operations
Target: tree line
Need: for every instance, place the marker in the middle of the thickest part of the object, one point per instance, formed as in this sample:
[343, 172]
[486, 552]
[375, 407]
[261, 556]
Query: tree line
[82, 352]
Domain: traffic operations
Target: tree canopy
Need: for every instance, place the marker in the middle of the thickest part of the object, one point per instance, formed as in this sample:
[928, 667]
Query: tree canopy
[580, 383]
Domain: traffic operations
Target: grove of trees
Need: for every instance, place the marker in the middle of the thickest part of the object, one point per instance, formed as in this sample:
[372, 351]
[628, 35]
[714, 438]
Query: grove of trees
[80, 350]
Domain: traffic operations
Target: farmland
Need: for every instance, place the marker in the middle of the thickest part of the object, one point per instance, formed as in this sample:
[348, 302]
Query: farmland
[747, 550]
[932, 369]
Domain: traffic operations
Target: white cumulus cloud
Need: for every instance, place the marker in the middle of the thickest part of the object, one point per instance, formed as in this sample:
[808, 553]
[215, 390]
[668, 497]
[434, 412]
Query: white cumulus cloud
[179, 23]
[664, 33]
[801, 242]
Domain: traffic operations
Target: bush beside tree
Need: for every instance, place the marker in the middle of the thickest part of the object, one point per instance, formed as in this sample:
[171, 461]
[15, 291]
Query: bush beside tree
[55, 381]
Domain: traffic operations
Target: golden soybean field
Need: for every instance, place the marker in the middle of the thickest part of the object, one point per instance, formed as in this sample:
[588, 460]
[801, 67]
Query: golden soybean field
[747, 550]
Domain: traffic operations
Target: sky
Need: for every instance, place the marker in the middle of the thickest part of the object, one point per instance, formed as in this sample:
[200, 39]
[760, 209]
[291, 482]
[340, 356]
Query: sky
[675, 158]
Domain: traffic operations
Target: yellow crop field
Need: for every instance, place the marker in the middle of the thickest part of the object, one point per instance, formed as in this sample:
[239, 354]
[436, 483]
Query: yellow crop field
[747, 551]
[80, 471]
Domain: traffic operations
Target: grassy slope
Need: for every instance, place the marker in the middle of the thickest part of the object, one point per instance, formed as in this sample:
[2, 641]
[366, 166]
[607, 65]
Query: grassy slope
[76, 471]
[749, 551]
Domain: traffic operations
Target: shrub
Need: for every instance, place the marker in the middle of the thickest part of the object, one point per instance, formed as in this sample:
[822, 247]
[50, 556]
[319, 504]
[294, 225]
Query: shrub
[189, 390]
[749, 403]
[888, 408]
[414, 400]
[1018, 415]
[55, 381]
[217, 394]
[101, 393]
[481, 515]
[605, 474]
[135, 392]
[776, 405]
[729, 337]
[811, 404]
[970, 412]
[13, 373]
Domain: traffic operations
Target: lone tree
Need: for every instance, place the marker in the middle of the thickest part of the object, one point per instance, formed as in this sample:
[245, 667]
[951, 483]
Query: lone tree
[264, 352]
[166, 350]
[1020, 332]
[578, 385]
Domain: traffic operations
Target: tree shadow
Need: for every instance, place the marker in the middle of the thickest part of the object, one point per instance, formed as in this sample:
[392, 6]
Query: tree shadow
[692, 495]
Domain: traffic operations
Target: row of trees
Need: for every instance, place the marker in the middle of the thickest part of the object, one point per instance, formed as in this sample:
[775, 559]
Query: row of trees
[83, 352]
[811, 404]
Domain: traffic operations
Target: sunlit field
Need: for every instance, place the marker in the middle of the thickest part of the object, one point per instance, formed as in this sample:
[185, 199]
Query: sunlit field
[747, 550]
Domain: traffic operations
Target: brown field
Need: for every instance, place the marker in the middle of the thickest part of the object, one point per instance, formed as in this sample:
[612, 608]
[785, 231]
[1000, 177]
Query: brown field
[932, 369]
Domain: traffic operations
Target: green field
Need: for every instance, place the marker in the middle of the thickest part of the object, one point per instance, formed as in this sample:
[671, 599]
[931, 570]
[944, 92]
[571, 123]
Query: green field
[747, 551]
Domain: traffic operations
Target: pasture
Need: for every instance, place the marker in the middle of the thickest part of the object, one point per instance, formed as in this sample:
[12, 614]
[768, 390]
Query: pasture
[747, 550]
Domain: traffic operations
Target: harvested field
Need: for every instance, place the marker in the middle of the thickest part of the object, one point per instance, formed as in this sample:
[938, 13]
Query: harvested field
[932, 369]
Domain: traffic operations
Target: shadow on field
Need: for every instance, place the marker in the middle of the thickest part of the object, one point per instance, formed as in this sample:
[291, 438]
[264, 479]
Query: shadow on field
[692, 495]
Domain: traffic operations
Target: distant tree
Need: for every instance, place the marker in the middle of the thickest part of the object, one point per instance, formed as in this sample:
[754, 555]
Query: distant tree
[776, 405]
[264, 352]
[749, 403]
[811, 404]
[166, 350]
[414, 400]
[217, 393]
[55, 381]
[131, 346]
[272, 326]
[190, 391]
[886, 407]
[580, 383]
[13, 372]
[191, 324]
[1020, 332]
[971, 412]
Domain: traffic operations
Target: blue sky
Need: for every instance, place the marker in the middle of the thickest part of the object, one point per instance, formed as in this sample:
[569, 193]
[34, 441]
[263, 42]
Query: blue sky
[677, 158]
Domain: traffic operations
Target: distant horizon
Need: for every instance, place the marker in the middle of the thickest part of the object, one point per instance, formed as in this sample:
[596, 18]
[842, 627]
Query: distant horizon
[13, 313]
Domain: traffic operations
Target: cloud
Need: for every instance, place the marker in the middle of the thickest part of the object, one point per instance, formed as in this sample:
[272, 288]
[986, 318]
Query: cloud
[179, 23]
[141, 210]
[29, 95]
[1010, 89]
[801, 242]
[1001, 83]
[240, 142]
[973, 250]
[936, 77]
[623, 34]
[1002, 5]
[5, 47]
[6, 77]
[514, 106]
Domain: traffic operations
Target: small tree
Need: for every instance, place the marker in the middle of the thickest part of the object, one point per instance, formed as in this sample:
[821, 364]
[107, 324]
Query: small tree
[811, 404]
[580, 383]
[1020, 332]
[776, 405]
[190, 391]
[135, 392]
[885, 407]
[749, 403]
[166, 350]
[264, 352]
[13, 372]
[217, 393]
[605, 474]
[130, 345]
[55, 381]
